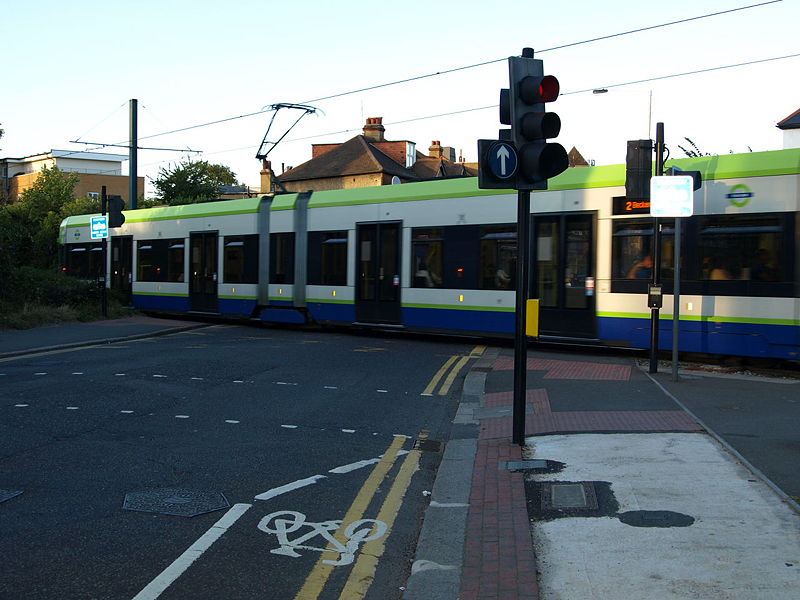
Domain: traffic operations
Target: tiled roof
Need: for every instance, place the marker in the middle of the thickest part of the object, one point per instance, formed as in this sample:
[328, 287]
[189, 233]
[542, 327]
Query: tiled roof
[791, 122]
[356, 156]
[429, 167]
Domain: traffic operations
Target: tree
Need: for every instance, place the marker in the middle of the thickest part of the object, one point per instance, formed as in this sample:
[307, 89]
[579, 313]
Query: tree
[192, 181]
[30, 226]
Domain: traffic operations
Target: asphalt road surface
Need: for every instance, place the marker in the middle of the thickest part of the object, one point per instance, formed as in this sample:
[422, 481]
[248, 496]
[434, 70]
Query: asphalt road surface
[299, 455]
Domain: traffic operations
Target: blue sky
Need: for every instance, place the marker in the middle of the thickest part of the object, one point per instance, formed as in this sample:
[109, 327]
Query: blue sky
[71, 67]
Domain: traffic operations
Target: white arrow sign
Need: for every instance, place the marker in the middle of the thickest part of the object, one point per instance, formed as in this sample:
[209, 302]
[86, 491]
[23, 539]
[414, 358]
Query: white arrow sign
[503, 155]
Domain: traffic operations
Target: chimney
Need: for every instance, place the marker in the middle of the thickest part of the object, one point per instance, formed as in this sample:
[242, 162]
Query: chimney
[436, 149]
[267, 177]
[373, 130]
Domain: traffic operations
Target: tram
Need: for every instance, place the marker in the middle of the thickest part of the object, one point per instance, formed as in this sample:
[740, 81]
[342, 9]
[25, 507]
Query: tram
[440, 256]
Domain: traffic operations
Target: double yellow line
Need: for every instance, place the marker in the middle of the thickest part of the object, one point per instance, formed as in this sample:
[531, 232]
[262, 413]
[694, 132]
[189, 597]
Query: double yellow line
[460, 360]
[363, 571]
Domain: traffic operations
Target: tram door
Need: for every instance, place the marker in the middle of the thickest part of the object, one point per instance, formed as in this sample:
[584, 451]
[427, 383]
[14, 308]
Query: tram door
[203, 272]
[563, 274]
[121, 265]
[378, 273]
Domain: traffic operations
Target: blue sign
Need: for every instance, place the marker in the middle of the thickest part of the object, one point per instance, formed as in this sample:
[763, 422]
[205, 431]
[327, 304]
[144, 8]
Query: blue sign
[502, 160]
[99, 227]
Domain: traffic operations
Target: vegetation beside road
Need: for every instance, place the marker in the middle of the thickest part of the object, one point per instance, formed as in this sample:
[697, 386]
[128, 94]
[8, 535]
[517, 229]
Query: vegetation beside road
[33, 292]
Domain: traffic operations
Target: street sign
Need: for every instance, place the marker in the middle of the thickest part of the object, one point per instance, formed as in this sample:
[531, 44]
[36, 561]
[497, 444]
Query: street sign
[671, 196]
[502, 160]
[99, 227]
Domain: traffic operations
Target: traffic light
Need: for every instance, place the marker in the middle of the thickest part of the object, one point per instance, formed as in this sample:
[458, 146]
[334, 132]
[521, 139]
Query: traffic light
[523, 107]
[638, 169]
[115, 207]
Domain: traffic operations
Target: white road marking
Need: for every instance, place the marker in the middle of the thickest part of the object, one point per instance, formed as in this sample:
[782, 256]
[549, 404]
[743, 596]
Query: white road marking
[181, 416]
[232, 421]
[126, 412]
[330, 387]
[426, 394]
[40, 373]
[361, 463]
[197, 379]
[161, 376]
[289, 487]
[238, 381]
[120, 374]
[348, 430]
[285, 383]
[289, 426]
[73, 408]
[156, 587]
[21, 405]
[78, 373]
[382, 391]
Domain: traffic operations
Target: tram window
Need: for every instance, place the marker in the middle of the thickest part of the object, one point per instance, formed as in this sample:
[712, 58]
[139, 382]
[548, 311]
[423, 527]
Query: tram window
[159, 260]
[327, 258]
[632, 249]
[147, 269]
[240, 259]
[740, 247]
[281, 269]
[498, 262]
[426, 257]
[84, 261]
[175, 252]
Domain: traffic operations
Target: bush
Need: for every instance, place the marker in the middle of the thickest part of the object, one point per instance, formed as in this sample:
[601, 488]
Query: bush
[31, 297]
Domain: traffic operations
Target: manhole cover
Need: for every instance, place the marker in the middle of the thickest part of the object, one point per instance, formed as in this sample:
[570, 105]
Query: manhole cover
[655, 518]
[568, 495]
[8, 494]
[172, 501]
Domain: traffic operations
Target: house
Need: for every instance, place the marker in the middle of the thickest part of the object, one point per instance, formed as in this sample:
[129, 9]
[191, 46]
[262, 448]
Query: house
[95, 170]
[791, 130]
[366, 160]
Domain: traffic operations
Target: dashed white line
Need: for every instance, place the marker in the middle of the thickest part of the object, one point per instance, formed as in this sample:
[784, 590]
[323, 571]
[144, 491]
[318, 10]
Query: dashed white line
[73, 408]
[382, 391]
[78, 373]
[126, 412]
[197, 379]
[21, 405]
[232, 421]
[330, 387]
[238, 381]
[161, 376]
[40, 373]
[120, 374]
[289, 426]
[348, 430]
[289, 487]
[181, 416]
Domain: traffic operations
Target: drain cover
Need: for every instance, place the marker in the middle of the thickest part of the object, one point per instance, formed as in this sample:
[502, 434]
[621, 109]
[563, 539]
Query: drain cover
[522, 465]
[427, 445]
[173, 501]
[8, 494]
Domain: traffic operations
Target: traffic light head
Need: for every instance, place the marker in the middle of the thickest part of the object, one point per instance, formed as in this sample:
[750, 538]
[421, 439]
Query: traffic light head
[115, 207]
[531, 124]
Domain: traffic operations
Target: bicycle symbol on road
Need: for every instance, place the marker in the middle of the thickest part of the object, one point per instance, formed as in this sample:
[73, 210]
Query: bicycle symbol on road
[284, 522]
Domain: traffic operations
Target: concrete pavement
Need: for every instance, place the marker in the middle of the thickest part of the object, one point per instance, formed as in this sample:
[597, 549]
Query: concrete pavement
[620, 491]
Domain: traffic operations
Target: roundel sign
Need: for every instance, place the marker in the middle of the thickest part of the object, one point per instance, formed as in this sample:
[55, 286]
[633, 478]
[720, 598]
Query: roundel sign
[503, 160]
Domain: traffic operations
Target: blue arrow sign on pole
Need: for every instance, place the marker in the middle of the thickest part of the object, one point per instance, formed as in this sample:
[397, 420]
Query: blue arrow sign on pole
[503, 160]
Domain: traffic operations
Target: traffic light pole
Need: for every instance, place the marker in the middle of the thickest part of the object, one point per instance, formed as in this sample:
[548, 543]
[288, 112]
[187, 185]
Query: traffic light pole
[520, 337]
[656, 254]
[103, 291]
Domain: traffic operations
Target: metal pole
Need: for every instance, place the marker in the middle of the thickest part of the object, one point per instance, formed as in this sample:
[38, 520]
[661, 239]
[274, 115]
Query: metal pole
[520, 338]
[103, 292]
[656, 254]
[676, 299]
[133, 191]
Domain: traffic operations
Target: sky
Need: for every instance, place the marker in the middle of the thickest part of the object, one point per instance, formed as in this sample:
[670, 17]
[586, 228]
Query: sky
[70, 69]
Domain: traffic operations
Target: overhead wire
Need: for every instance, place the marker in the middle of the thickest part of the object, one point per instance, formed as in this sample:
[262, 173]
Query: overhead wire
[463, 68]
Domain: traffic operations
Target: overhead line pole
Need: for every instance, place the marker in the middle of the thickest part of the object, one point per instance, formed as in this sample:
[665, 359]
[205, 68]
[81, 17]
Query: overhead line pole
[133, 188]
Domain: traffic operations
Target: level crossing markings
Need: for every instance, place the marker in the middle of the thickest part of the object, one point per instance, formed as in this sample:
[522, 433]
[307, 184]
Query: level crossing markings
[456, 362]
[316, 580]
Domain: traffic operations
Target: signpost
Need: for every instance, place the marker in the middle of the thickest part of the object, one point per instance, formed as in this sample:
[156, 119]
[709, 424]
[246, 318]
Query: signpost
[99, 229]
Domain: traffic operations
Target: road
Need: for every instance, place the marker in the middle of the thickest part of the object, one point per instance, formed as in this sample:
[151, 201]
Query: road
[286, 443]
